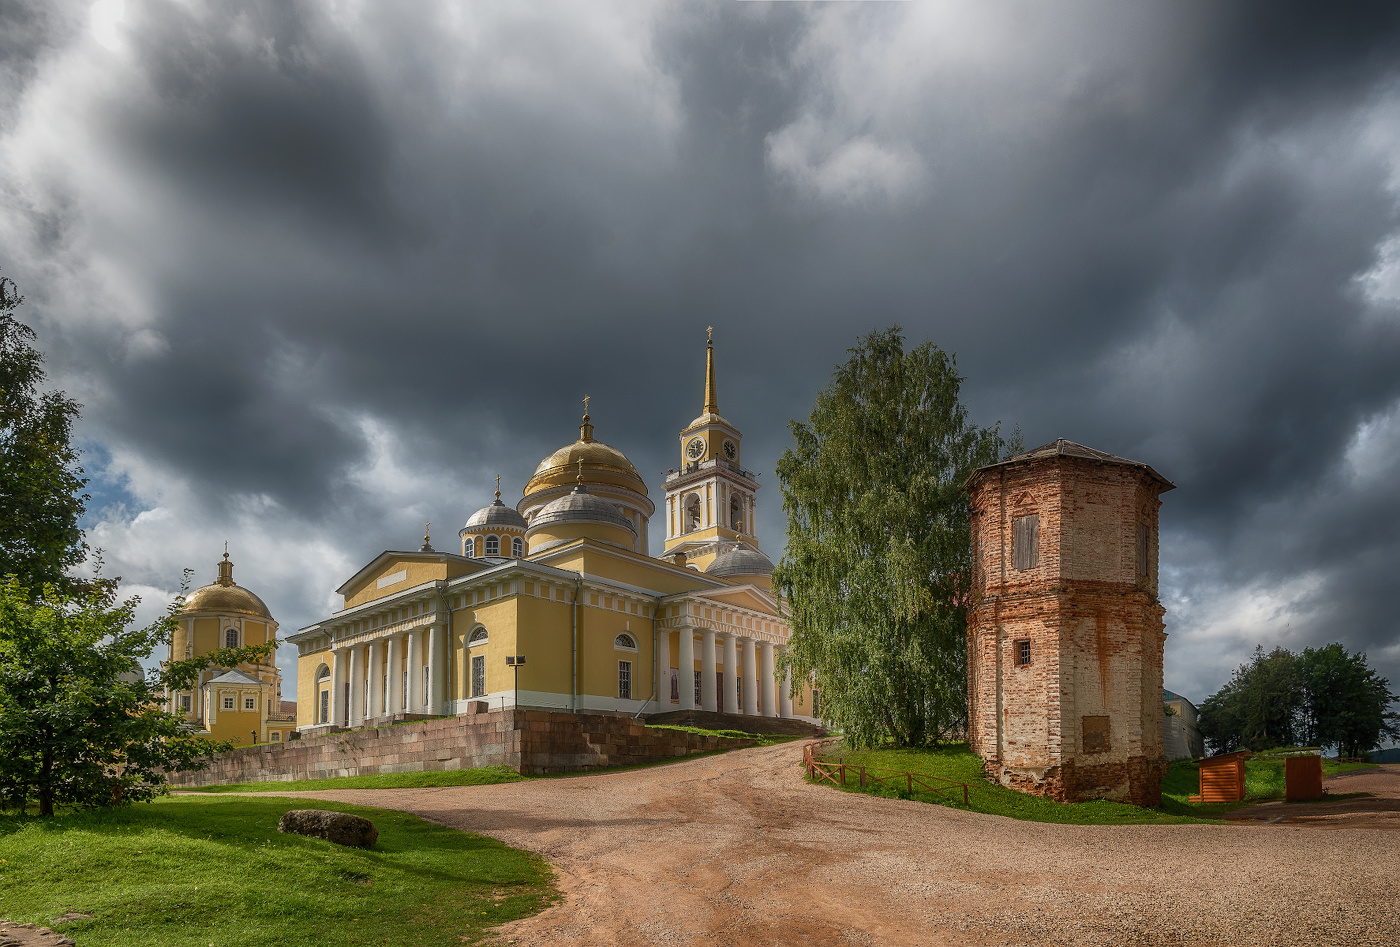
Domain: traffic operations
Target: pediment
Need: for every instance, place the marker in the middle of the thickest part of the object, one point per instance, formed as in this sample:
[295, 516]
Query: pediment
[742, 596]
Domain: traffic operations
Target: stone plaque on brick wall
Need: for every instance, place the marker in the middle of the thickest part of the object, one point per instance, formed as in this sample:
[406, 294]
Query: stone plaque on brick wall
[1096, 735]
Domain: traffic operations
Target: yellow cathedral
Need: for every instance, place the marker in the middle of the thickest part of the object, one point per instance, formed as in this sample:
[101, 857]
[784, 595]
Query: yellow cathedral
[564, 581]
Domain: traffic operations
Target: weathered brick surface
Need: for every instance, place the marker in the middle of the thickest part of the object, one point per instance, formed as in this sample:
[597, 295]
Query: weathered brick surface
[1094, 626]
[527, 741]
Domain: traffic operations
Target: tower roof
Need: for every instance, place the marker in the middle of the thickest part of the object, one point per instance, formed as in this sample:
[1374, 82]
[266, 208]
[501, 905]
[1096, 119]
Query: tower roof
[225, 596]
[710, 413]
[1067, 448]
[602, 464]
[740, 560]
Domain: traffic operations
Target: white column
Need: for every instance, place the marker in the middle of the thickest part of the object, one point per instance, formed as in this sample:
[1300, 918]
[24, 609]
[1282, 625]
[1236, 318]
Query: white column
[750, 678]
[374, 670]
[415, 671]
[395, 667]
[731, 675]
[338, 675]
[356, 715]
[785, 695]
[707, 670]
[766, 682]
[686, 668]
[437, 667]
[663, 670]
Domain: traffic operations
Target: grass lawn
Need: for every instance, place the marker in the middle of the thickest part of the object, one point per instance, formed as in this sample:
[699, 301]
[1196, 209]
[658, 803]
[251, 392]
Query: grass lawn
[482, 776]
[196, 871]
[1263, 780]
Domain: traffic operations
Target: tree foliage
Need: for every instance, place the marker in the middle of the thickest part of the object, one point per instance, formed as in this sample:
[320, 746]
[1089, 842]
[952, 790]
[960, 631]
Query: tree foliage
[80, 724]
[877, 573]
[1321, 697]
[40, 480]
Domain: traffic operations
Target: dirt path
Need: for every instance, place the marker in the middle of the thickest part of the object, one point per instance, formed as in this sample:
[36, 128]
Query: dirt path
[1381, 782]
[738, 849]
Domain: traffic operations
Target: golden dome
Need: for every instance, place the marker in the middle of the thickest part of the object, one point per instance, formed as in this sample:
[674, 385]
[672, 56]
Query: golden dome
[224, 596]
[601, 465]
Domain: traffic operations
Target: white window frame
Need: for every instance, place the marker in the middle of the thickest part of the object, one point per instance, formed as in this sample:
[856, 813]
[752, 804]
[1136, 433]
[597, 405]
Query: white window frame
[478, 684]
[231, 633]
[230, 703]
[493, 545]
[250, 703]
[625, 642]
[517, 548]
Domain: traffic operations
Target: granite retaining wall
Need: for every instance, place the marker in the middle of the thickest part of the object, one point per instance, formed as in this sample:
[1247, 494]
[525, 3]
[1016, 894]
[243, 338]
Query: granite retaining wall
[533, 742]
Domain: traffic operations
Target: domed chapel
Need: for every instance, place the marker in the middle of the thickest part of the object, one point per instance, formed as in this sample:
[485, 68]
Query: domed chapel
[565, 579]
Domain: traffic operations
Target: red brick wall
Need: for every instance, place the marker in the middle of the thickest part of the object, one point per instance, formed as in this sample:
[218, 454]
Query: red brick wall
[528, 741]
[1094, 626]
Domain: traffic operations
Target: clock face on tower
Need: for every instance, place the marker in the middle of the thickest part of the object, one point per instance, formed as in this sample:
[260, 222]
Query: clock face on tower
[730, 449]
[695, 448]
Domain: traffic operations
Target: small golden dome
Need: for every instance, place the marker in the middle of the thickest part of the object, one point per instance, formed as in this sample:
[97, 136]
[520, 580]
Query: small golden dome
[601, 465]
[224, 596]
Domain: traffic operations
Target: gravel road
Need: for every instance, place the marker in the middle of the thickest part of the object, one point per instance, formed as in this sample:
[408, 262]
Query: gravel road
[738, 849]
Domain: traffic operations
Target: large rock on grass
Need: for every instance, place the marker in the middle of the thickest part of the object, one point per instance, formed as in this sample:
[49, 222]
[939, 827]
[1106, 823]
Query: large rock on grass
[342, 828]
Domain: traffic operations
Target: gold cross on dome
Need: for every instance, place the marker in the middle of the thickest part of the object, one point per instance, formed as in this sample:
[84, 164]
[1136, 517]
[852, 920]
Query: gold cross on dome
[585, 404]
[427, 536]
[498, 486]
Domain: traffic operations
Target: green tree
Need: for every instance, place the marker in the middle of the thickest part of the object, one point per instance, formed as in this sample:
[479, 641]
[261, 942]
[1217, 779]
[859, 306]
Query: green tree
[80, 723]
[1259, 708]
[1344, 702]
[877, 573]
[40, 480]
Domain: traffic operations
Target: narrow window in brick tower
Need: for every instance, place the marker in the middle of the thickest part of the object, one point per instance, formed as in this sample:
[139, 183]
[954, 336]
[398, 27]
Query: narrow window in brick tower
[1142, 549]
[1023, 652]
[1026, 542]
[478, 675]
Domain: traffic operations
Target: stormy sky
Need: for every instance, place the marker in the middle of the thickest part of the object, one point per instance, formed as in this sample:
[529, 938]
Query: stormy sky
[319, 271]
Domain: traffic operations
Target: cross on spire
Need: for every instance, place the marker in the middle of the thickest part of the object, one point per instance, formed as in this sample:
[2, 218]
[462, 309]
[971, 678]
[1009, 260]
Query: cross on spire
[498, 487]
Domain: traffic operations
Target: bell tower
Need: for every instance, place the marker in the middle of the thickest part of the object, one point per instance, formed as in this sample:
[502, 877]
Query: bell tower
[710, 499]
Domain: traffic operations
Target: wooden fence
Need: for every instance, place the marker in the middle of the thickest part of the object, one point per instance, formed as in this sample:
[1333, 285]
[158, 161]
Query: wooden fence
[823, 771]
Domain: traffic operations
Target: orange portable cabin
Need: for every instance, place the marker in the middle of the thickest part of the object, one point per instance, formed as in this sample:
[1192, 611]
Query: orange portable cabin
[1302, 777]
[1222, 778]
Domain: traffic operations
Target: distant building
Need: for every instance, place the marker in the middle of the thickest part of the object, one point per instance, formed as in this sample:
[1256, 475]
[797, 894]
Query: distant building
[244, 703]
[1181, 737]
[1065, 631]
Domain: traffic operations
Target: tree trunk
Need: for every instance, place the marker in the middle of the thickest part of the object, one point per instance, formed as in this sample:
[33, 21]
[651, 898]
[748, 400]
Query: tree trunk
[46, 783]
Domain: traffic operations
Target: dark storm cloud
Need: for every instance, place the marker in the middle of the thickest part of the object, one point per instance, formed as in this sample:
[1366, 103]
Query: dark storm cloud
[431, 230]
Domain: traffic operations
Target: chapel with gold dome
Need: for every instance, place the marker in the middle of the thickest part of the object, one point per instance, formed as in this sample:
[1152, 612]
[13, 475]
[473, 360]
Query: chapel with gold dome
[241, 703]
[565, 580]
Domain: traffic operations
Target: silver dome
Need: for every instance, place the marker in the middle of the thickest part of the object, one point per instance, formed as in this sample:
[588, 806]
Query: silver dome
[580, 506]
[741, 560]
[496, 515]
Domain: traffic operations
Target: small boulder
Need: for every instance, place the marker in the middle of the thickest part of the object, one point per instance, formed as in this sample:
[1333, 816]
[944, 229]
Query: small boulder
[342, 828]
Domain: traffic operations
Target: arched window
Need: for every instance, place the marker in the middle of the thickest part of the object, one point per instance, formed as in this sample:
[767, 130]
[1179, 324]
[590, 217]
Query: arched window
[322, 673]
[691, 517]
[625, 643]
[477, 637]
[231, 638]
[493, 545]
[517, 548]
[736, 514]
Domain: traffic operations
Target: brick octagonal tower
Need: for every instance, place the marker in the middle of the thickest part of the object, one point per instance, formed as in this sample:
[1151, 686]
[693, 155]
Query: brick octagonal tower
[1065, 633]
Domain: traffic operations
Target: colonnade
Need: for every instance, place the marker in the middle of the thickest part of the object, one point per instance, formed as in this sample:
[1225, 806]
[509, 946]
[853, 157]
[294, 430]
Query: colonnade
[758, 694]
[381, 683]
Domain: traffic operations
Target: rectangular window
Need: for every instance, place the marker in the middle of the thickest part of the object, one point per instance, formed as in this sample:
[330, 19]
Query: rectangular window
[425, 685]
[1023, 652]
[719, 690]
[275, 736]
[624, 680]
[325, 706]
[228, 703]
[185, 703]
[250, 703]
[1142, 550]
[697, 688]
[1096, 735]
[1026, 542]
[675, 686]
[479, 675]
[404, 695]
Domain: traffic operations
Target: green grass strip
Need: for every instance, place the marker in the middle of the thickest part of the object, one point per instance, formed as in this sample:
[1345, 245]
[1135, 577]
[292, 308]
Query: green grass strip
[195, 871]
[480, 776]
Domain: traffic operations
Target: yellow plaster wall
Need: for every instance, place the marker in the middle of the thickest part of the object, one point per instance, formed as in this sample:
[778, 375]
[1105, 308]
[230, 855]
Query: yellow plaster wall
[545, 637]
[419, 571]
[566, 532]
[500, 619]
[631, 568]
[307, 665]
[598, 658]
[237, 725]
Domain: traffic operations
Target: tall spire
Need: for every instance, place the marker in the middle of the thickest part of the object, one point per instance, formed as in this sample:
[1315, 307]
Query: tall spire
[585, 430]
[711, 401]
